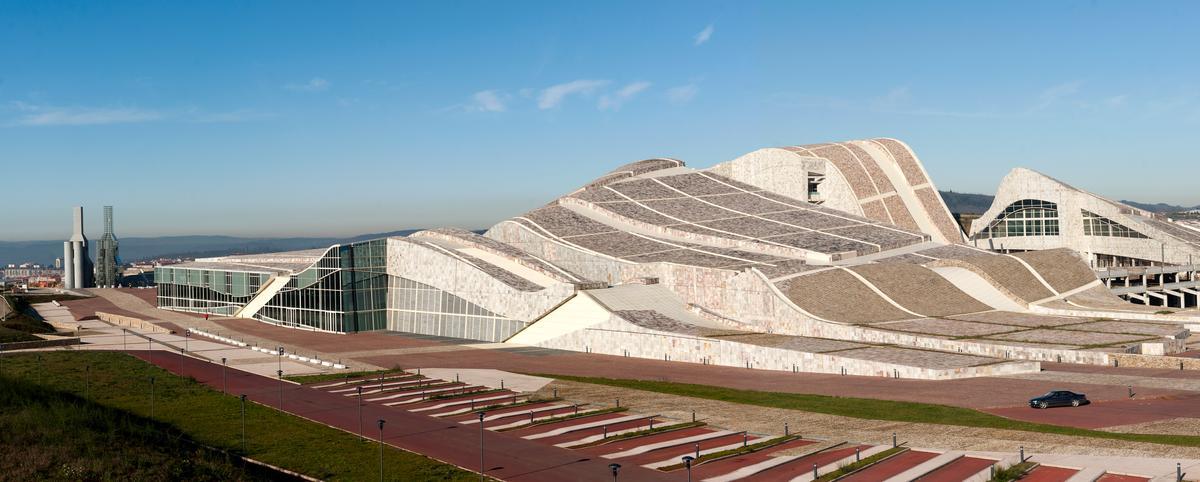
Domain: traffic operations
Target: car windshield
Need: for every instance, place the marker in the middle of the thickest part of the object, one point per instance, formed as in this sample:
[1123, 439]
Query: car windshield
[1050, 394]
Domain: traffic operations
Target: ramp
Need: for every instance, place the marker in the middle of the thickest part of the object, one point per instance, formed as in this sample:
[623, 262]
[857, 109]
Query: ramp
[978, 288]
[264, 295]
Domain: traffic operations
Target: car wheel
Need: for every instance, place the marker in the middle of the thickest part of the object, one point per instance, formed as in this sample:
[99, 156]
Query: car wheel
[1075, 403]
[1043, 405]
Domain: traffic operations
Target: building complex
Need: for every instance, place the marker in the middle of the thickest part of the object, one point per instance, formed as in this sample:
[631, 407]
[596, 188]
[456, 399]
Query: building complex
[832, 258]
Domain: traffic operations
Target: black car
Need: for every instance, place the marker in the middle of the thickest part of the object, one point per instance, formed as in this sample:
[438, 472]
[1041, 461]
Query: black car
[1059, 398]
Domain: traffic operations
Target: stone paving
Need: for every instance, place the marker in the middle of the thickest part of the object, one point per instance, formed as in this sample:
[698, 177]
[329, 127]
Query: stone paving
[1066, 337]
[944, 327]
[916, 358]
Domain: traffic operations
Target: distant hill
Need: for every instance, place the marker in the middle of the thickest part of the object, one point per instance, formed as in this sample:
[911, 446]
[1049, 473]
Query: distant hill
[135, 249]
[1160, 207]
[961, 202]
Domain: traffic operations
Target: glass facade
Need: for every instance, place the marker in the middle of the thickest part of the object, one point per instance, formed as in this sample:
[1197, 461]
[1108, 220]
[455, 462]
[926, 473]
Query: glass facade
[219, 292]
[1027, 217]
[1097, 225]
[415, 307]
[344, 291]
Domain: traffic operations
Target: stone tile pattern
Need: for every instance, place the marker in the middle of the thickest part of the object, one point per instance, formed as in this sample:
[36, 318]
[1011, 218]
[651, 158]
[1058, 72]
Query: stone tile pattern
[839, 296]
[565, 225]
[1010, 274]
[502, 249]
[1067, 337]
[653, 320]
[900, 213]
[917, 358]
[500, 274]
[945, 327]
[712, 206]
[919, 289]
[798, 343]
[1130, 327]
[932, 201]
[840, 158]
[1019, 319]
[636, 168]
[1062, 268]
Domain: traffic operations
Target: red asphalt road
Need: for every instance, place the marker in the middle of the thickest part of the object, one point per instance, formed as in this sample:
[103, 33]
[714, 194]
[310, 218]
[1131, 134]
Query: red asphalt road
[958, 470]
[728, 465]
[891, 467]
[1044, 473]
[1108, 413]
[506, 457]
[804, 465]
[1121, 478]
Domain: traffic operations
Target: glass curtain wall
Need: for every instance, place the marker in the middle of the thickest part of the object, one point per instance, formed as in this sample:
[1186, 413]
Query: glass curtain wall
[1027, 217]
[218, 292]
[415, 307]
[1097, 225]
[346, 291]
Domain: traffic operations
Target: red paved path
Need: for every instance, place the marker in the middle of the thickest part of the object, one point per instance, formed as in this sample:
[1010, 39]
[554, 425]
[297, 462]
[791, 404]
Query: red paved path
[677, 452]
[1045, 473]
[891, 467]
[728, 465]
[628, 444]
[958, 470]
[506, 457]
[803, 465]
[1111, 413]
[1121, 478]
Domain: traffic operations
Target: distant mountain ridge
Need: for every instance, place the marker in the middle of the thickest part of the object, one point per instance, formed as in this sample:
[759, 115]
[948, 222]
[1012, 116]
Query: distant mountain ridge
[1161, 207]
[142, 248]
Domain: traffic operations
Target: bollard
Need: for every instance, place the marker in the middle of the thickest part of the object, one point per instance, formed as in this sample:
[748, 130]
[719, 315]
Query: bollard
[1178, 472]
[618, 403]
[531, 416]
[651, 423]
[697, 450]
[785, 429]
[606, 431]
[693, 416]
[815, 476]
[576, 409]
[893, 439]
[1022, 454]
[456, 380]
[857, 455]
[745, 439]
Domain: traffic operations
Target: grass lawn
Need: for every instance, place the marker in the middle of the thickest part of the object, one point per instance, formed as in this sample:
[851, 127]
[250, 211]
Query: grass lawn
[872, 409]
[324, 377]
[189, 410]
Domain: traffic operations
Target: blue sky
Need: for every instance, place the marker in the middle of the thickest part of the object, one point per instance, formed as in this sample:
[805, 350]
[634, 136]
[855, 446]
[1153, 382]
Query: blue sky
[331, 118]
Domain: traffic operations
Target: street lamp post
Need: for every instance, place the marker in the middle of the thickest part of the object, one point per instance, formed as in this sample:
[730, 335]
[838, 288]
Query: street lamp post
[687, 462]
[151, 397]
[481, 466]
[279, 350]
[243, 424]
[150, 348]
[87, 382]
[360, 404]
[124, 339]
[186, 335]
[615, 469]
[224, 381]
[381, 422]
[280, 372]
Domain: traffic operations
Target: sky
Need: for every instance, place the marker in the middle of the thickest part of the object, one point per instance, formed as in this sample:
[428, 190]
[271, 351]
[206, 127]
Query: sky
[298, 118]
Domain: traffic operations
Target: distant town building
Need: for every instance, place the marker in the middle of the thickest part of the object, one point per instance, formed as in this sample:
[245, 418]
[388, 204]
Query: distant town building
[57, 263]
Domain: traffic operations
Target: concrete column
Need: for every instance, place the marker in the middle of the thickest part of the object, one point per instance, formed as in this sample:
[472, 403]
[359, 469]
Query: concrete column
[77, 247]
[68, 278]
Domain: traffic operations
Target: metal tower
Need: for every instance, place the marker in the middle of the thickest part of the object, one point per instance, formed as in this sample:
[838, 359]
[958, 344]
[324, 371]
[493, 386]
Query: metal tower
[107, 261]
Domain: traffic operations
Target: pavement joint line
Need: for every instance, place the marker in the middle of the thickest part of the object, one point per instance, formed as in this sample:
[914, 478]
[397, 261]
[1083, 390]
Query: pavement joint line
[669, 443]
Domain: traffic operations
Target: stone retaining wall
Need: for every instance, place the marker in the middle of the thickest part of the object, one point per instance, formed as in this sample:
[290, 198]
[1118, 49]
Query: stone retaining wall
[131, 322]
[1133, 360]
[620, 338]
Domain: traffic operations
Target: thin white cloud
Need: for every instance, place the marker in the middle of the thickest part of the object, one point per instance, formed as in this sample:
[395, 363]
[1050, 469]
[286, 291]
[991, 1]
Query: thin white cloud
[683, 94]
[1053, 94]
[704, 35]
[229, 117]
[41, 115]
[615, 100]
[315, 84]
[554, 95]
[488, 101]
